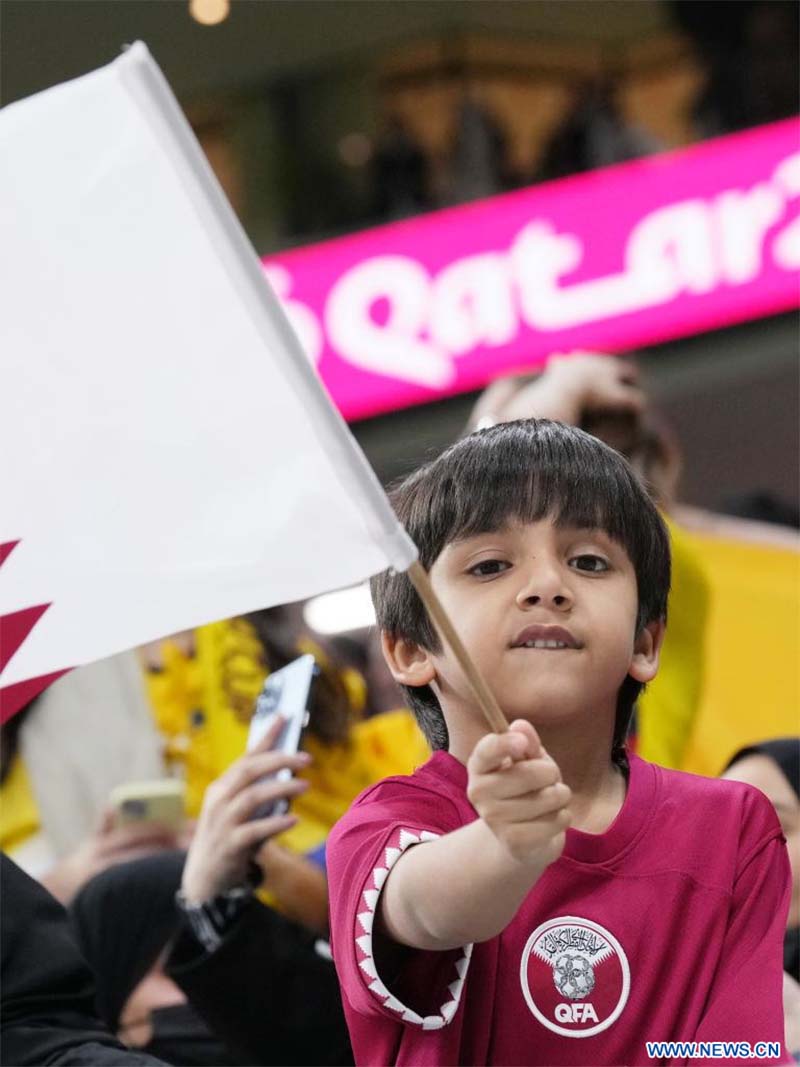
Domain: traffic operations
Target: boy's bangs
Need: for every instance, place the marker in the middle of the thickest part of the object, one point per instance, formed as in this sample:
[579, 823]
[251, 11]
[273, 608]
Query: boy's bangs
[494, 479]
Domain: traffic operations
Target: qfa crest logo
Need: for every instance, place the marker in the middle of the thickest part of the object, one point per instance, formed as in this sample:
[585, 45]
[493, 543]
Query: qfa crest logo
[575, 976]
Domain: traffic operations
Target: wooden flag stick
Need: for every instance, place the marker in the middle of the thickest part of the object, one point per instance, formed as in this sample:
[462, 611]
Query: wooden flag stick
[480, 690]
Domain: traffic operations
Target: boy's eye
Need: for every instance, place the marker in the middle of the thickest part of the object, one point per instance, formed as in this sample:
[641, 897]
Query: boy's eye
[488, 567]
[589, 562]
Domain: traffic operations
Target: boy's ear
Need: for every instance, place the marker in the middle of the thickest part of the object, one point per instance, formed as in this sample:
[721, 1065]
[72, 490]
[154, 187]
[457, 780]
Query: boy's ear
[646, 652]
[408, 663]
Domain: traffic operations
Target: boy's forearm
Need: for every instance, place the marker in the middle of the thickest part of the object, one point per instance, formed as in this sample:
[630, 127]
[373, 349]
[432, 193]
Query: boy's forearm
[436, 896]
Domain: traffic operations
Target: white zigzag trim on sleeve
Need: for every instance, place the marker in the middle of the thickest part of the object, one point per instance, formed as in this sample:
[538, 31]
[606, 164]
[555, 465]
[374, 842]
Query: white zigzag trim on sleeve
[363, 935]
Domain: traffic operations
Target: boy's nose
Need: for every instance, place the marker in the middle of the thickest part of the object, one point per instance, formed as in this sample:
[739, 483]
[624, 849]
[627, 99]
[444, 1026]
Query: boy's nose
[559, 600]
[546, 588]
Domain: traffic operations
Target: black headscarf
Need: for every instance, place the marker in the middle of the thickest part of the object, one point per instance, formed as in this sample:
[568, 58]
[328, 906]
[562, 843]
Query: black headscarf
[785, 752]
[123, 919]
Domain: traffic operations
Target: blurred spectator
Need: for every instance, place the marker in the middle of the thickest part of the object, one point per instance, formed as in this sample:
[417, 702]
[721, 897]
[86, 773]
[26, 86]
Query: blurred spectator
[479, 163]
[761, 506]
[717, 30]
[401, 183]
[601, 394]
[594, 134]
[47, 1013]
[749, 48]
[204, 686]
[363, 652]
[60, 757]
[263, 983]
[771, 58]
[774, 768]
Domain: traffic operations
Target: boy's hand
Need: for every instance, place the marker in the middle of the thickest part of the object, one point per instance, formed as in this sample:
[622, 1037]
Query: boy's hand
[226, 836]
[516, 789]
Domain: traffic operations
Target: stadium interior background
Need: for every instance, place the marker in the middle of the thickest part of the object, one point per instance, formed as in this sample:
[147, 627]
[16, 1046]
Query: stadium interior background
[304, 108]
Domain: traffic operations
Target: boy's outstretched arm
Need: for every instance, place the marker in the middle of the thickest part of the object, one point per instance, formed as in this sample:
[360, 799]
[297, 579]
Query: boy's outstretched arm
[467, 885]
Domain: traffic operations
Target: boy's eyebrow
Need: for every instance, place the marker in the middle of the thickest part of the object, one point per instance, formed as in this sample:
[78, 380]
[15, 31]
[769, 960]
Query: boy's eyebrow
[569, 527]
[591, 531]
[464, 538]
[507, 529]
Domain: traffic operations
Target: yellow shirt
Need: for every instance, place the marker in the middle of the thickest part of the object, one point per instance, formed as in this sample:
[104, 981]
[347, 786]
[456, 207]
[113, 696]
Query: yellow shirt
[19, 816]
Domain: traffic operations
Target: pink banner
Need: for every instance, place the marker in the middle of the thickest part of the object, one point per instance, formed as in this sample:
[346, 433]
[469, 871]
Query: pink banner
[612, 260]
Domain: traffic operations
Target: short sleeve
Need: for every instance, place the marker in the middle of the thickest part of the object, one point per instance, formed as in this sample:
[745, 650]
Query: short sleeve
[362, 849]
[746, 993]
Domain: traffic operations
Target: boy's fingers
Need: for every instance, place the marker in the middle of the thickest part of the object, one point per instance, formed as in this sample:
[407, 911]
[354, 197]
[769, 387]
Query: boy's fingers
[533, 745]
[536, 805]
[493, 749]
[523, 778]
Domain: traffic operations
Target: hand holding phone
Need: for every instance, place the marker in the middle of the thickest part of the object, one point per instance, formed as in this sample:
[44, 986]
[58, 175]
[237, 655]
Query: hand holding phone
[227, 834]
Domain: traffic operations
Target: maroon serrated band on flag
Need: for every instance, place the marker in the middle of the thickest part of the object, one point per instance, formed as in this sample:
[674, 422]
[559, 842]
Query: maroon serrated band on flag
[6, 548]
[14, 628]
[13, 698]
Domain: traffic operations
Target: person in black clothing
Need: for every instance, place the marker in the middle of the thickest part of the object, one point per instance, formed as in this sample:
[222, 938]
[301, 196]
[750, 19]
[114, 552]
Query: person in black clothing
[774, 767]
[47, 1013]
[260, 988]
[399, 172]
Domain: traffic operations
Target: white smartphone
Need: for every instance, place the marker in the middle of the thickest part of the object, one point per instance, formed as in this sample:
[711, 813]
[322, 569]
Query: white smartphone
[285, 693]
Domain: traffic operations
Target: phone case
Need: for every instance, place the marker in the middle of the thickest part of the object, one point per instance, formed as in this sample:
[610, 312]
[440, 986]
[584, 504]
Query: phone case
[160, 801]
[285, 693]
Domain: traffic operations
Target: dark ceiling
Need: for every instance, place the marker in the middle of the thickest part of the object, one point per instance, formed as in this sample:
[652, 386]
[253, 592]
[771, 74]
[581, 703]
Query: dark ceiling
[48, 41]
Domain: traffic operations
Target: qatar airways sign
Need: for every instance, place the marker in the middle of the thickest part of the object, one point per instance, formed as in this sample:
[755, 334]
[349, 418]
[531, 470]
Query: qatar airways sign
[612, 260]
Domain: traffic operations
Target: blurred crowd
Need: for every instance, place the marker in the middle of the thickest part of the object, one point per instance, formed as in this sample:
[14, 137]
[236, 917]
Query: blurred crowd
[203, 939]
[747, 51]
[198, 935]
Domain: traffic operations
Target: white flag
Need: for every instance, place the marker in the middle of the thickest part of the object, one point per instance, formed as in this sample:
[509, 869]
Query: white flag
[169, 456]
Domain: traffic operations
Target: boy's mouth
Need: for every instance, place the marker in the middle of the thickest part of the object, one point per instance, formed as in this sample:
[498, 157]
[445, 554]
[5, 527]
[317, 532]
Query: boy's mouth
[551, 638]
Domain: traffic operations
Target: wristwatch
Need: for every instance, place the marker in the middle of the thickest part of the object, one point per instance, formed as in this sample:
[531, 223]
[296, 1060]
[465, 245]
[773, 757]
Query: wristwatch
[210, 920]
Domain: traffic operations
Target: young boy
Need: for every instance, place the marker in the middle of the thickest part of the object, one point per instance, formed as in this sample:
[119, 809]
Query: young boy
[540, 896]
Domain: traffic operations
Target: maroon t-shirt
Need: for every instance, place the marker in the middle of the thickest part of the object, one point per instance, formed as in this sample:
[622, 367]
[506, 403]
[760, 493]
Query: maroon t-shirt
[669, 926]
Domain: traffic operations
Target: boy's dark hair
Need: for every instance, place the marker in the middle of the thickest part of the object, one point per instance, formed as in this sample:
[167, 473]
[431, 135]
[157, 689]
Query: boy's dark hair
[522, 471]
